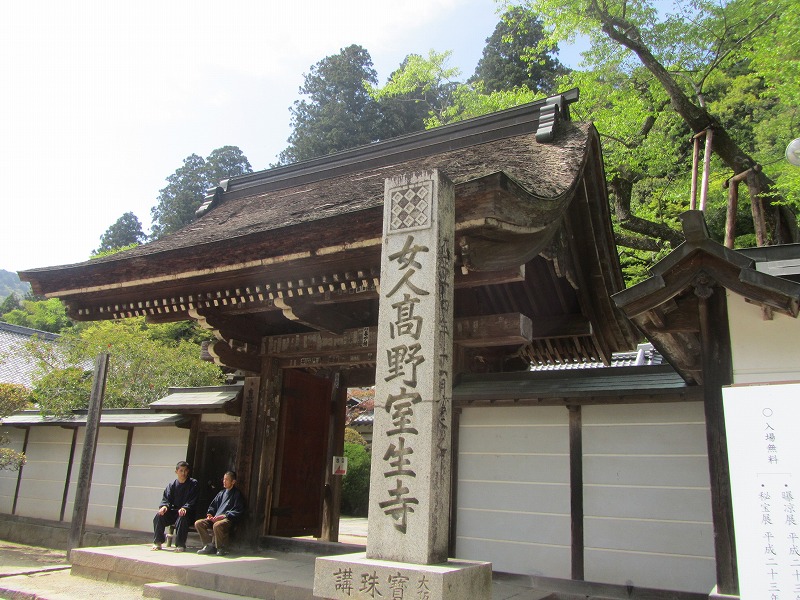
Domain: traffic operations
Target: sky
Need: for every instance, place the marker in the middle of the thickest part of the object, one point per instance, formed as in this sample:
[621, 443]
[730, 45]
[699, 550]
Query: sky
[101, 100]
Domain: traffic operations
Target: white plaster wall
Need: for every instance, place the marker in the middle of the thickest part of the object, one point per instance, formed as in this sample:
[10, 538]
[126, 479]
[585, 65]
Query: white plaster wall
[513, 489]
[44, 474]
[8, 479]
[106, 476]
[647, 499]
[154, 454]
[762, 351]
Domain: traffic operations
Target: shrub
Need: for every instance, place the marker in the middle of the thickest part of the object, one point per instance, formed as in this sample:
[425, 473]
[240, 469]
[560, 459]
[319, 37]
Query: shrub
[351, 436]
[355, 484]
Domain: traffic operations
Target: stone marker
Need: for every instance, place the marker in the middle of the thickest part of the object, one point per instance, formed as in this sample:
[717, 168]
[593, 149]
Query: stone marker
[409, 510]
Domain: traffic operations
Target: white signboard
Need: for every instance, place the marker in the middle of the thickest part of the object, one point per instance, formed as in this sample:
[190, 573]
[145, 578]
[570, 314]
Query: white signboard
[339, 465]
[763, 430]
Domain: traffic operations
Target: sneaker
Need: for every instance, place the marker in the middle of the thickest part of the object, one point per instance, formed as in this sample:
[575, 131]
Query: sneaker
[180, 548]
[207, 549]
[156, 547]
[221, 552]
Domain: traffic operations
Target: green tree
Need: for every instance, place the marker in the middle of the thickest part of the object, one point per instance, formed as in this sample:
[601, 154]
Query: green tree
[187, 186]
[427, 83]
[337, 112]
[141, 366]
[355, 483]
[44, 315]
[125, 232]
[681, 53]
[11, 302]
[12, 398]
[514, 56]
[408, 109]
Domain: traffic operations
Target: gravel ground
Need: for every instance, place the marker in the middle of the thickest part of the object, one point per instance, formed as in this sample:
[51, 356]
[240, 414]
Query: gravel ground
[34, 573]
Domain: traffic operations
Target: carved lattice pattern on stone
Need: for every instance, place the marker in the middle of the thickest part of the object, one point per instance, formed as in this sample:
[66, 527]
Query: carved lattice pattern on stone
[411, 207]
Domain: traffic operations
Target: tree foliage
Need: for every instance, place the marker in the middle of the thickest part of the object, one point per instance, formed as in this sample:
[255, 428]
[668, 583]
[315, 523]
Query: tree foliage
[11, 302]
[649, 82]
[141, 366]
[44, 315]
[336, 112]
[680, 71]
[514, 56]
[355, 483]
[187, 186]
[125, 232]
[12, 398]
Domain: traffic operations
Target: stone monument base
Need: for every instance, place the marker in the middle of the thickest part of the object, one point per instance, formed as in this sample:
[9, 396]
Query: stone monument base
[356, 577]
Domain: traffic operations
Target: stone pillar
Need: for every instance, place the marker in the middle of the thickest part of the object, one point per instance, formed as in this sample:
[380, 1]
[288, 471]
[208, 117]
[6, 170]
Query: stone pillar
[409, 512]
[410, 481]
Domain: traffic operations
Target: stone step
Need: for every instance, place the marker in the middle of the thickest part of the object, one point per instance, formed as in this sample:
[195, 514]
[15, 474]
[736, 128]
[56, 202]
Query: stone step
[274, 575]
[175, 591]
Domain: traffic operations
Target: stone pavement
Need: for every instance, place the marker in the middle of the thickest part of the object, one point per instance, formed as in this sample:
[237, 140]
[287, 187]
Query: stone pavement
[122, 572]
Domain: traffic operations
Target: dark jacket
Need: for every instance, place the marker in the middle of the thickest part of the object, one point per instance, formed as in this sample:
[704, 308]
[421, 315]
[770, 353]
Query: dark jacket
[232, 506]
[179, 495]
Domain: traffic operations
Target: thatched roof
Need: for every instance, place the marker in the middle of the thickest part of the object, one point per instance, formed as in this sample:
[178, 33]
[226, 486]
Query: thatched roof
[528, 213]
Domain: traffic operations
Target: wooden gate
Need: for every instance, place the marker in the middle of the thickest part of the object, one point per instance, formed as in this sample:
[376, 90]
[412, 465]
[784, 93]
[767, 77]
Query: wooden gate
[302, 455]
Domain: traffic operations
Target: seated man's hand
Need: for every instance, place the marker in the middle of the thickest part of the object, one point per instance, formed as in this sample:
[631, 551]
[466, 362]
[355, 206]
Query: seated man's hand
[209, 517]
[218, 518]
[182, 512]
[162, 510]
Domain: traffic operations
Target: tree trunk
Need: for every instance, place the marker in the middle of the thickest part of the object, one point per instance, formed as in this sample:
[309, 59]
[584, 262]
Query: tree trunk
[783, 223]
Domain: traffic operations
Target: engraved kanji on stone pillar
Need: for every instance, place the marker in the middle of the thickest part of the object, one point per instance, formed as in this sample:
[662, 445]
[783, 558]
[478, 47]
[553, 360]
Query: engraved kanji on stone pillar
[410, 479]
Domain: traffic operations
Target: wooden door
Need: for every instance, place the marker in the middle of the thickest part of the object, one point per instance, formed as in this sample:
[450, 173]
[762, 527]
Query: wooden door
[217, 454]
[302, 455]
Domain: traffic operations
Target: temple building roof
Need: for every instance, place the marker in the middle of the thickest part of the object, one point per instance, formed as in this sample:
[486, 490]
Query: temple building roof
[296, 250]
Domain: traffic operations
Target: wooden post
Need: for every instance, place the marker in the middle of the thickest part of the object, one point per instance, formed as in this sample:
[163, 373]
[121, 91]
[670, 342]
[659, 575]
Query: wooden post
[123, 480]
[695, 164]
[333, 483]
[81, 505]
[717, 372]
[706, 169]
[576, 489]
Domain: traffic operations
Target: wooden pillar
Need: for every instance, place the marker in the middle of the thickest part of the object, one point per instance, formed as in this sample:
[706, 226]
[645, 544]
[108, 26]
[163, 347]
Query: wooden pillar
[81, 504]
[261, 473]
[123, 480]
[247, 432]
[333, 483]
[576, 489]
[717, 372]
[68, 476]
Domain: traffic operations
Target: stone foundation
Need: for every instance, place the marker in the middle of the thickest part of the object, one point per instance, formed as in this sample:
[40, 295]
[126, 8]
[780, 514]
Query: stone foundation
[356, 577]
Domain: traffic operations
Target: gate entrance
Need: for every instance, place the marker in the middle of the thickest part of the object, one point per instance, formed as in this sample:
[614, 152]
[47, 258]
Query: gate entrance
[300, 462]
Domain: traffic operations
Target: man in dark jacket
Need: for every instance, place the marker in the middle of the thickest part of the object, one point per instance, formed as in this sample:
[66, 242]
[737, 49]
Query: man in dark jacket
[176, 508]
[225, 509]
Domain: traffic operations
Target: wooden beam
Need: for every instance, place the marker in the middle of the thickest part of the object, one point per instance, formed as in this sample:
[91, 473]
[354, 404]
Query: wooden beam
[511, 329]
[228, 327]
[225, 355]
[493, 330]
[562, 326]
[321, 319]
